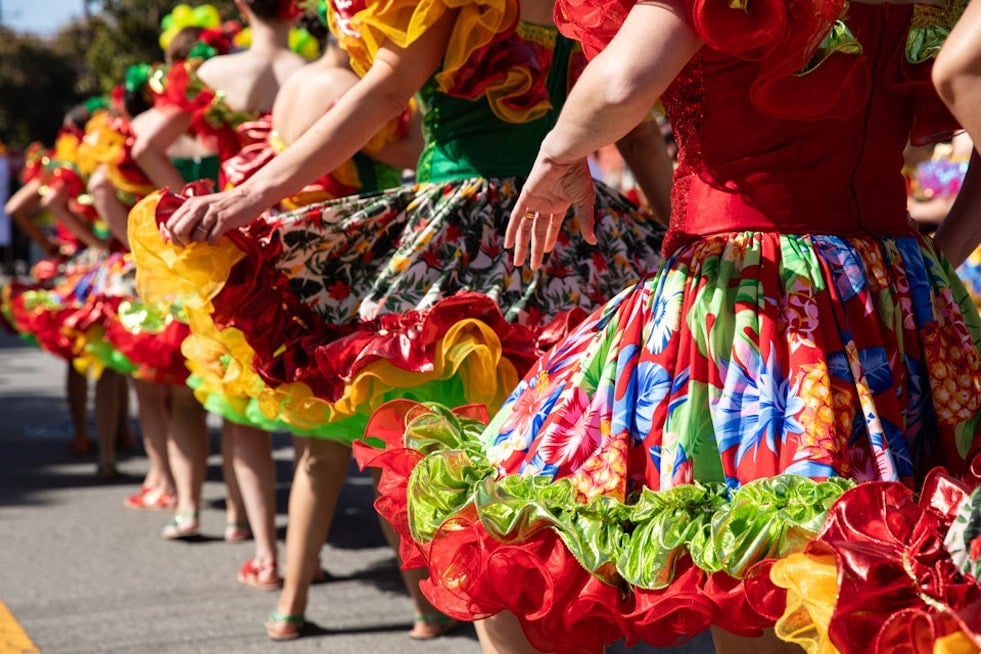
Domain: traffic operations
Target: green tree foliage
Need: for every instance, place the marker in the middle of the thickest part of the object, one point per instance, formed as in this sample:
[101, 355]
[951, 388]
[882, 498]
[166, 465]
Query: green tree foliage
[37, 87]
[41, 79]
[126, 32]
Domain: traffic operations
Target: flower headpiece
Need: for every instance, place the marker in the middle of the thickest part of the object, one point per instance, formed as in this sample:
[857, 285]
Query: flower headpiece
[291, 9]
[136, 78]
[211, 42]
[205, 16]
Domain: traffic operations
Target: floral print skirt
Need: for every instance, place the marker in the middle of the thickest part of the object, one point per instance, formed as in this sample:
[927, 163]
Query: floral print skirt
[646, 473]
[342, 305]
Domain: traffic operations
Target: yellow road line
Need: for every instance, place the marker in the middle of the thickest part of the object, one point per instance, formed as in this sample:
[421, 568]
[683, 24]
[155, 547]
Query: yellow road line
[13, 638]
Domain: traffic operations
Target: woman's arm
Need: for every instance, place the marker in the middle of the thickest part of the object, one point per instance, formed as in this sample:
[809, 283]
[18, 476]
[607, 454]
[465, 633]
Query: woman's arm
[395, 75]
[960, 232]
[957, 71]
[56, 201]
[107, 204]
[404, 153]
[646, 154]
[21, 207]
[157, 130]
[612, 96]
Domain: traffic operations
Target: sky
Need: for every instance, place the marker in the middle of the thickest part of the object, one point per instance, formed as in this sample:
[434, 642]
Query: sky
[42, 17]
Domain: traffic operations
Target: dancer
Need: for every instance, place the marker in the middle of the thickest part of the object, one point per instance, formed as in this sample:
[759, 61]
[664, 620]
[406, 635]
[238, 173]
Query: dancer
[421, 266]
[248, 83]
[800, 338]
[58, 311]
[23, 206]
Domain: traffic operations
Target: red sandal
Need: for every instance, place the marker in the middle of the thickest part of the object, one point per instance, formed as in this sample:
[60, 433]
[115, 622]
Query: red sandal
[263, 576]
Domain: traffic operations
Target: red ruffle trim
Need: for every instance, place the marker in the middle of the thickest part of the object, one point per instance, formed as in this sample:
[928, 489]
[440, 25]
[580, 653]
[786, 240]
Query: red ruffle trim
[177, 92]
[157, 356]
[560, 605]
[593, 23]
[252, 157]
[294, 344]
[58, 330]
[34, 158]
[782, 35]
[42, 323]
[899, 590]
[492, 65]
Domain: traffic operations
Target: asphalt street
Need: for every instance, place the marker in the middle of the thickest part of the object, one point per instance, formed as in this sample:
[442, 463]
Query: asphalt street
[81, 574]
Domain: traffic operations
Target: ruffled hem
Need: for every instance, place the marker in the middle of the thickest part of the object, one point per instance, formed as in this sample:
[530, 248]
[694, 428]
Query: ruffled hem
[315, 373]
[135, 332]
[168, 275]
[578, 574]
[66, 314]
[878, 578]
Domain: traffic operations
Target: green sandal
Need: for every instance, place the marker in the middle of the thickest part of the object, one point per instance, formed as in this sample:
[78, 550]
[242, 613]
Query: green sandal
[283, 626]
[183, 526]
[438, 623]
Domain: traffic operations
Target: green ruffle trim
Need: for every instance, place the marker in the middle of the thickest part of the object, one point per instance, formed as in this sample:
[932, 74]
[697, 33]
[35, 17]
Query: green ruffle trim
[246, 411]
[639, 541]
[838, 39]
[104, 353]
[930, 28]
[141, 317]
[42, 298]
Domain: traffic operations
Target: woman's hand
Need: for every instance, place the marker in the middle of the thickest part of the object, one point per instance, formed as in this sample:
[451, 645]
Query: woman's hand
[207, 217]
[542, 206]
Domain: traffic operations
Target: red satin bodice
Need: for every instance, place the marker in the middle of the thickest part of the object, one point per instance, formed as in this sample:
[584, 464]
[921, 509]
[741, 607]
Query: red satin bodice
[743, 169]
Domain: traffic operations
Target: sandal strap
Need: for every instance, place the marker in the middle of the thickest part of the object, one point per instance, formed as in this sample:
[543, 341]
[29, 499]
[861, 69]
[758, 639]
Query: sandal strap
[438, 618]
[181, 518]
[279, 616]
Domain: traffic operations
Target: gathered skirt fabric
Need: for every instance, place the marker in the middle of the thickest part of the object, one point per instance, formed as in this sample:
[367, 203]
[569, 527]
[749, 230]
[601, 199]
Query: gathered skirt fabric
[646, 474]
[340, 306]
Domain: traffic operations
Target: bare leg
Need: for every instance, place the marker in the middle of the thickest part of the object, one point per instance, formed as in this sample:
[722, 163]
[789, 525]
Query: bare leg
[429, 622]
[256, 473]
[236, 520]
[316, 486]
[125, 440]
[768, 643]
[107, 396]
[77, 392]
[502, 634]
[155, 424]
[188, 451]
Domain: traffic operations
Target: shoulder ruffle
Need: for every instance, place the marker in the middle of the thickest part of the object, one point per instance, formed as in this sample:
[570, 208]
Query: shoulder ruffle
[110, 144]
[34, 162]
[180, 86]
[810, 65]
[510, 72]
[363, 26]
[911, 68]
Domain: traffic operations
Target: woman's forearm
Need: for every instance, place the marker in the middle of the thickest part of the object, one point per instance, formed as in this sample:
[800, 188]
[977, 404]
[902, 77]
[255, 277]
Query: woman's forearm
[646, 154]
[156, 130]
[960, 232]
[22, 206]
[957, 71]
[618, 88]
[351, 122]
